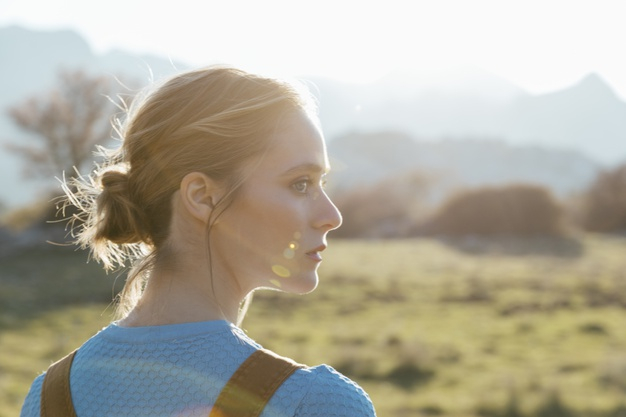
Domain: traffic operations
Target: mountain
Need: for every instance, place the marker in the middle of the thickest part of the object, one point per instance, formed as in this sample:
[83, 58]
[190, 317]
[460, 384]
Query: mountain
[362, 159]
[461, 103]
[588, 117]
[475, 126]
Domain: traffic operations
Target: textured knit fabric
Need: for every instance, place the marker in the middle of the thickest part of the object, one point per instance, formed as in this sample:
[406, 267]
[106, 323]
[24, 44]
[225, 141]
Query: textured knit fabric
[179, 370]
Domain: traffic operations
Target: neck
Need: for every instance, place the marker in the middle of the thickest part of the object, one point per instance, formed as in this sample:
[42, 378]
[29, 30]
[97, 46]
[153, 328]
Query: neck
[184, 286]
[172, 297]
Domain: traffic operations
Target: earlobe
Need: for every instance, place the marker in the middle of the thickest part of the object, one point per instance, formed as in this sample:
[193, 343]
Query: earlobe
[199, 195]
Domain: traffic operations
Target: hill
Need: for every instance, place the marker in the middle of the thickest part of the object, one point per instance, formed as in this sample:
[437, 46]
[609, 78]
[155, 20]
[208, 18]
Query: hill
[464, 121]
[364, 159]
[587, 117]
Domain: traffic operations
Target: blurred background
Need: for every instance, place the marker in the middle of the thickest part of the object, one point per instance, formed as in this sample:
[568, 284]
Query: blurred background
[479, 160]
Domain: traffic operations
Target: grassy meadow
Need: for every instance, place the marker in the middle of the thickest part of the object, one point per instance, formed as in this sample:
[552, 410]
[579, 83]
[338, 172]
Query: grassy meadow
[466, 327]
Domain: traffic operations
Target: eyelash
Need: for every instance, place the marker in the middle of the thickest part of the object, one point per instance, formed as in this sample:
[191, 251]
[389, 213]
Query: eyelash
[308, 183]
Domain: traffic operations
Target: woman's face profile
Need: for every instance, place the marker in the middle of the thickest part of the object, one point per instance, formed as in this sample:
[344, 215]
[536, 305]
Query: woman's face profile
[274, 232]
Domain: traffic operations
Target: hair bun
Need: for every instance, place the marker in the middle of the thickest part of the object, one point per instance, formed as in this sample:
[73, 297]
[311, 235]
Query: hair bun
[114, 182]
[120, 218]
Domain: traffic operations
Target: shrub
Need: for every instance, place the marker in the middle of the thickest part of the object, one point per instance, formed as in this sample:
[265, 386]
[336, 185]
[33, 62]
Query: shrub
[605, 202]
[520, 209]
[386, 209]
[42, 214]
[25, 217]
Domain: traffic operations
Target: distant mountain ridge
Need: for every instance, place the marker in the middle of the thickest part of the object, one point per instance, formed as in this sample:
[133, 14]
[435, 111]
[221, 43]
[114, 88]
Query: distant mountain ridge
[365, 159]
[469, 107]
[588, 117]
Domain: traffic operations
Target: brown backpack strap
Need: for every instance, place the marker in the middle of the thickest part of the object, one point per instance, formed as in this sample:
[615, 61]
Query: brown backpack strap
[244, 395]
[56, 398]
[253, 384]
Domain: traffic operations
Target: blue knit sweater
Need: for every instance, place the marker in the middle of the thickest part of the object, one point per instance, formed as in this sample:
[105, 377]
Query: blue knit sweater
[179, 370]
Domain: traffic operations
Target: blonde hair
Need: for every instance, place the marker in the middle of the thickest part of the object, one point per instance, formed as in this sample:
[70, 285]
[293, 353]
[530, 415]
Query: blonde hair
[210, 120]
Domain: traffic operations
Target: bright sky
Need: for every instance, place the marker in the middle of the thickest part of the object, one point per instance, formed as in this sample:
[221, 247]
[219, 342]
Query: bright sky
[541, 45]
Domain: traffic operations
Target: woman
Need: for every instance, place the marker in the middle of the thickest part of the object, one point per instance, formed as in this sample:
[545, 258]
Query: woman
[216, 191]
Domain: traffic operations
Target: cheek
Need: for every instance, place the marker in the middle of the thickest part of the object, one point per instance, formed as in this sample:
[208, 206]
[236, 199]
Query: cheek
[269, 224]
[266, 221]
[278, 228]
[279, 211]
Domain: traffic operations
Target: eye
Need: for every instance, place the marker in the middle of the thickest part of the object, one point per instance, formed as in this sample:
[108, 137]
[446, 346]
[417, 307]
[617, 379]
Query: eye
[301, 186]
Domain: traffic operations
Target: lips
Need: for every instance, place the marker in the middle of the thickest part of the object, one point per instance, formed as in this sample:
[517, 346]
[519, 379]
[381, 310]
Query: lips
[316, 254]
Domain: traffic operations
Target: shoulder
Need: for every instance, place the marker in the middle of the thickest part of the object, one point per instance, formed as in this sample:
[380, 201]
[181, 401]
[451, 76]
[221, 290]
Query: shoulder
[30, 408]
[331, 394]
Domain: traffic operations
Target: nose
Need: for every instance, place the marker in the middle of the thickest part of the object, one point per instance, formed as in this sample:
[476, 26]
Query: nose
[327, 216]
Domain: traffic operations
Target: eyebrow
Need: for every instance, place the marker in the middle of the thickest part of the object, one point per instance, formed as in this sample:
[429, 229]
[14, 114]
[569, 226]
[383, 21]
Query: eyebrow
[306, 168]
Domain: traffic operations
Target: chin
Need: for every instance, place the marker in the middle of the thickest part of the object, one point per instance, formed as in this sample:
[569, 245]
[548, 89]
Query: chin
[299, 285]
[308, 286]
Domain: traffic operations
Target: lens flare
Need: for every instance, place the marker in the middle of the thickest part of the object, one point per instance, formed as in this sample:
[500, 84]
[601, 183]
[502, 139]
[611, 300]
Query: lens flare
[290, 252]
[281, 271]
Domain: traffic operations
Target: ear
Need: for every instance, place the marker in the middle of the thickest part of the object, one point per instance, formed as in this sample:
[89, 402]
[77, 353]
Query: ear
[199, 194]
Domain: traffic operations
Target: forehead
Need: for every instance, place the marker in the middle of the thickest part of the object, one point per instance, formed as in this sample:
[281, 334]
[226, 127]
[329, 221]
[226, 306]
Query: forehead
[298, 141]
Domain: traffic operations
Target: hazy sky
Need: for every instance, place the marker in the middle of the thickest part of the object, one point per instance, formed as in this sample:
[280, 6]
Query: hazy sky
[541, 45]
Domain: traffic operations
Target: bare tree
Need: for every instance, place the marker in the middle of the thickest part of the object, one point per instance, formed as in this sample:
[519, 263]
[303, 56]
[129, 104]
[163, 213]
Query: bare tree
[65, 123]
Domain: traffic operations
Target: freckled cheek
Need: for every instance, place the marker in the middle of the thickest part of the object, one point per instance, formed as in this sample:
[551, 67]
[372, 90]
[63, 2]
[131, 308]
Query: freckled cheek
[284, 230]
[278, 220]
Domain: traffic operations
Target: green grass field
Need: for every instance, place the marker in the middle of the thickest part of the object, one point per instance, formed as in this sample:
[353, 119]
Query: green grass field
[471, 327]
